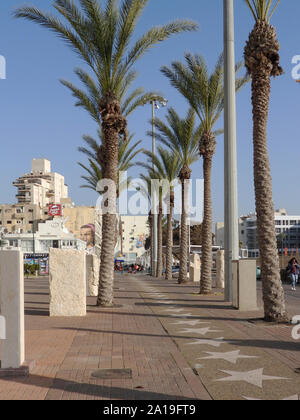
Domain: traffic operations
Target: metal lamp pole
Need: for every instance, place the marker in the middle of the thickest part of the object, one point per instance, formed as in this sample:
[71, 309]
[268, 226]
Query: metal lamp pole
[33, 232]
[230, 155]
[155, 105]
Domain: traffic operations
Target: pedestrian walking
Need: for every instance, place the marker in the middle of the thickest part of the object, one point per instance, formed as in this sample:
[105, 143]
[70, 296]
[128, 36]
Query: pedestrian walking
[293, 271]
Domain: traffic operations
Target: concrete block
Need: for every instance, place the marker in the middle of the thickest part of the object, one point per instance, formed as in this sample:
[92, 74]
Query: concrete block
[12, 309]
[244, 285]
[195, 268]
[67, 282]
[220, 266]
[92, 275]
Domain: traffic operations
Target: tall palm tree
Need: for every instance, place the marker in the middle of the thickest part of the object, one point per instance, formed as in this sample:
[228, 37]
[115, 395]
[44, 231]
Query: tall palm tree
[144, 187]
[205, 94]
[182, 137]
[127, 153]
[262, 61]
[167, 167]
[153, 174]
[102, 36]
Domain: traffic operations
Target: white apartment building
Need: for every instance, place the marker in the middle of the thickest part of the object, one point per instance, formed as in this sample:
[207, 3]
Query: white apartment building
[135, 231]
[287, 232]
[41, 187]
[51, 234]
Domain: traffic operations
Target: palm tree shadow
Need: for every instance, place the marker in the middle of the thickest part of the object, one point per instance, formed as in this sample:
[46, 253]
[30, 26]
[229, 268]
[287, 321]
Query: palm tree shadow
[58, 386]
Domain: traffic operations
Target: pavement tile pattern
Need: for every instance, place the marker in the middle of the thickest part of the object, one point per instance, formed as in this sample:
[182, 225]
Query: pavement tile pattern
[178, 345]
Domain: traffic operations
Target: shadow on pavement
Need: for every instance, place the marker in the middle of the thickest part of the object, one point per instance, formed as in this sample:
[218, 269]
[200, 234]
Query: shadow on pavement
[58, 386]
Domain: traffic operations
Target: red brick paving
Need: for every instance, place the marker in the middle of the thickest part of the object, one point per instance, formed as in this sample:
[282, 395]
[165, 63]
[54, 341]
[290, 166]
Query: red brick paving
[134, 336]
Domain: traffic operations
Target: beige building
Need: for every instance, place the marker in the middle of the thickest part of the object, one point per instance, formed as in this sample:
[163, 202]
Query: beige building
[41, 186]
[135, 230]
[77, 217]
[20, 218]
[219, 233]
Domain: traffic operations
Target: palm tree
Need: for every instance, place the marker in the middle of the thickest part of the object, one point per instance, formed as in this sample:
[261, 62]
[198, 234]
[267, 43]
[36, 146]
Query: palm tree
[167, 167]
[101, 36]
[262, 61]
[205, 94]
[127, 153]
[144, 187]
[154, 175]
[182, 137]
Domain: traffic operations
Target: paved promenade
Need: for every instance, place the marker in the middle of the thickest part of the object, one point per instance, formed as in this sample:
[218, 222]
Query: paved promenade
[179, 346]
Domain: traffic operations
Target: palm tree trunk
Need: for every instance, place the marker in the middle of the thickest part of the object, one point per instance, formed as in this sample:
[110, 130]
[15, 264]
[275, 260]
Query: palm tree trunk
[273, 294]
[159, 243]
[183, 239]
[206, 266]
[113, 124]
[169, 251]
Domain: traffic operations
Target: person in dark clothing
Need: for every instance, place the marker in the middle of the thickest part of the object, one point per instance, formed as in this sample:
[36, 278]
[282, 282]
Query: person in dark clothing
[293, 270]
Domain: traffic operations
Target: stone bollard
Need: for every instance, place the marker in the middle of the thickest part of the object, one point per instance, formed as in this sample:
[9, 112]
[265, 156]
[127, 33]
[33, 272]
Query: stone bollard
[12, 310]
[220, 266]
[67, 282]
[244, 293]
[195, 268]
[92, 275]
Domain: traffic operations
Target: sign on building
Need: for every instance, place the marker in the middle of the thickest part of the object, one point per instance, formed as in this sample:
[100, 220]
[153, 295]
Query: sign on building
[55, 210]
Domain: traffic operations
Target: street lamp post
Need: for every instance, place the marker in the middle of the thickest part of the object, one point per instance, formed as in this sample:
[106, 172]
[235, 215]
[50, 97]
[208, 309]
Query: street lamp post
[33, 233]
[230, 158]
[155, 105]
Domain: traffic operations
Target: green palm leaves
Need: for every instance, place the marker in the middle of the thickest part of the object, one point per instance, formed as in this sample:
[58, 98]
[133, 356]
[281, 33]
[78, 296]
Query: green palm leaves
[262, 9]
[102, 36]
[204, 92]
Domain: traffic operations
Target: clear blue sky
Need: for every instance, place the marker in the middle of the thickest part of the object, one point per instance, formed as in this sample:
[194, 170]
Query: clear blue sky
[38, 117]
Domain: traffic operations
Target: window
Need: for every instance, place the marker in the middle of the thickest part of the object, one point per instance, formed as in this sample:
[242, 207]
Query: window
[9, 222]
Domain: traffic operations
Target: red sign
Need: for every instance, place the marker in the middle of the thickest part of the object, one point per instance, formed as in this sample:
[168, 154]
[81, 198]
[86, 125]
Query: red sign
[54, 210]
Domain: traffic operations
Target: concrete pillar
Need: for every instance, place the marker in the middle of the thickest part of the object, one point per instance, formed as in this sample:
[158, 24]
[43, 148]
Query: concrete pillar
[67, 282]
[12, 309]
[92, 275]
[195, 269]
[244, 285]
[220, 266]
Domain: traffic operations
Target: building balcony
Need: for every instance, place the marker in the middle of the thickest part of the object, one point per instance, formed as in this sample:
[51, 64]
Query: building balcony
[18, 216]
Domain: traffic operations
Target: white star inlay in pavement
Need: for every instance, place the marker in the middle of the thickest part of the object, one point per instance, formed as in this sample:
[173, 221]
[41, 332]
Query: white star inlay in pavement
[216, 342]
[231, 356]
[192, 323]
[174, 310]
[182, 315]
[292, 398]
[201, 331]
[253, 377]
